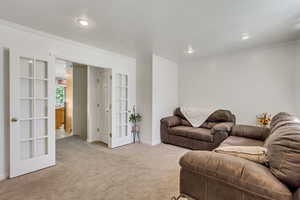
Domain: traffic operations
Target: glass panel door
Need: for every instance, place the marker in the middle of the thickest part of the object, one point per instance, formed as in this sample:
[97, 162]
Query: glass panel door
[33, 104]
[122, 105]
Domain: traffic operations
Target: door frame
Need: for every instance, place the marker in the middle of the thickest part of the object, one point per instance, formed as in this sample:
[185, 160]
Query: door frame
[114, 70]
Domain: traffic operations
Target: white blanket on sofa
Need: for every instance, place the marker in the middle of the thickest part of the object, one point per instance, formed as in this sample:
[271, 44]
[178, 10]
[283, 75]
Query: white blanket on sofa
[196, 116]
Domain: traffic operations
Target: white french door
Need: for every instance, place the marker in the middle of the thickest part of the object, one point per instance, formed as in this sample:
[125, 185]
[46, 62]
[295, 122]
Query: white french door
[32, 135]
[122, 103]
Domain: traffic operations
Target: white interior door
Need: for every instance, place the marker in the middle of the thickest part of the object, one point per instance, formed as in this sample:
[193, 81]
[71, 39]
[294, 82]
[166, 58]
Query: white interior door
[32, 134]
[121, 134]
[106, 95]
[99, 102]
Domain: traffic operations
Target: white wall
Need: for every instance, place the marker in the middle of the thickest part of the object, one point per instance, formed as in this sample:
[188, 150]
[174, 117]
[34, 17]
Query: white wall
[18, 37]
[144, 94]
[248, 82]
[80, 100]
[297, 78]
[164, 92]
[4, 112]
[2, 143]
[157, 93]
[4, 127]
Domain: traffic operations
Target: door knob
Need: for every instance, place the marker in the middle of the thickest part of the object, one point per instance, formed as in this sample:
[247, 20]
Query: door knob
[14, 119]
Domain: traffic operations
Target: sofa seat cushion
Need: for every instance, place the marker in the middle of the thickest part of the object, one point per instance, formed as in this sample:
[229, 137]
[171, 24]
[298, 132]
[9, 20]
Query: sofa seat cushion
[202, 134]
[241, 174]
[241, 141]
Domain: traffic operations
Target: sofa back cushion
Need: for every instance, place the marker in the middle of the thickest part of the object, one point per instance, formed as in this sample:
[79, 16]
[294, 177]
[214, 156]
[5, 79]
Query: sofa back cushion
[221, 116]
[283, 147]
[280, 117]
[178, 113]
[216, 117]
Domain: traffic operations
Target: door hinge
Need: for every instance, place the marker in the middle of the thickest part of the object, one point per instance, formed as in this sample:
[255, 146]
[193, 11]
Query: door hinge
[110, 135]
[110, 77]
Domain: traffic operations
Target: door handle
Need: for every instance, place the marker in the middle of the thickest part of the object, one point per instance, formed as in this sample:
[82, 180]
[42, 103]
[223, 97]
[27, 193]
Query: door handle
[14, 119]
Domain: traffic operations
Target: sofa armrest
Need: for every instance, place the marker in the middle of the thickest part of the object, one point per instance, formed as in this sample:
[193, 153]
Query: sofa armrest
[224, 127]
[165, 124]
[227, 171]
[171, 121]
[296, 195]
[253, 132]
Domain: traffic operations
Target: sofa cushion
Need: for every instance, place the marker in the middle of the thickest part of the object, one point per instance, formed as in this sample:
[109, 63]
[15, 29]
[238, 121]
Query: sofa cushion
[215, 117]
[185, 122]
[171, 121]
[178, 113]
[284, 152]
[208, 125]
[202, 134]
[241, 141]
[282, 116]
[253, 132]
[235, 172]
[221, 116]
[254, 153]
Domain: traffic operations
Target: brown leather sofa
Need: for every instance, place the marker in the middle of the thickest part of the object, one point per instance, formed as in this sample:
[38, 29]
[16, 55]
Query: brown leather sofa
[178, 131]
[207, 175]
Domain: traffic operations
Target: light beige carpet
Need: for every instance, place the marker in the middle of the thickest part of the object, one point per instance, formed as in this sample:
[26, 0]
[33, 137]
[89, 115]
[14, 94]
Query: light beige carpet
[93, 172]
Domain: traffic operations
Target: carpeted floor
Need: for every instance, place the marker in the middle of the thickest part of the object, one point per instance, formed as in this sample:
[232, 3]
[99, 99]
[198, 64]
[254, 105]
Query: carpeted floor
[93, 172]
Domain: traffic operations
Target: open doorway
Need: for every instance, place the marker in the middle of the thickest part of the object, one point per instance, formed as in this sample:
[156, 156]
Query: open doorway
[83, 102]
[64, 99]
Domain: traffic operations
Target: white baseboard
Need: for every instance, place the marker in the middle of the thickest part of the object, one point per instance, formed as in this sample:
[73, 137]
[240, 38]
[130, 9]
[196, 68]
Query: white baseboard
[3, 177]
[146, 142]
[151, 143]
[156, 143]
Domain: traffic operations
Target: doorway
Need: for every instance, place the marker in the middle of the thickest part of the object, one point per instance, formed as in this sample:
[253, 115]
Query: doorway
[83, 102]
[64, 99]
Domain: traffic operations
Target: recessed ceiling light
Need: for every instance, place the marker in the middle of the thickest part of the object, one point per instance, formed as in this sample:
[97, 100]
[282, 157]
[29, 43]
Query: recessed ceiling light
[83, 22]
[245, 36]
[190, 50]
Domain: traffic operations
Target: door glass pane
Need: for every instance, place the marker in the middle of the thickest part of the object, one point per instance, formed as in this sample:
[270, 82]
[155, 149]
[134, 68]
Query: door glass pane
[41, 108]
[33, 103]
[26, 109]
[122, 104]
[26, 129]
[26, 67]
[26, 88]
[41, 90]
[41, 127]
[41, 70]
[26, 149]
[124, 81]
[119, 79]
[41, 147]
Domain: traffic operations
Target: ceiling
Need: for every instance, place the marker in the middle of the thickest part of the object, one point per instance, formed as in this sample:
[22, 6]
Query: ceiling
[165, 27]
